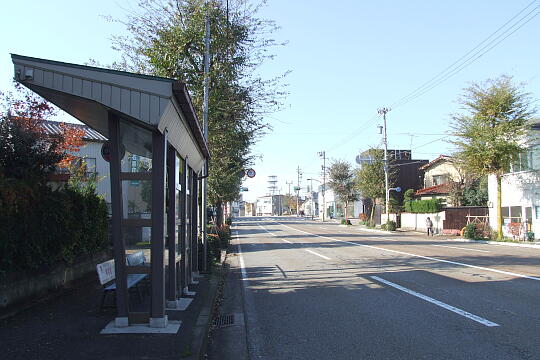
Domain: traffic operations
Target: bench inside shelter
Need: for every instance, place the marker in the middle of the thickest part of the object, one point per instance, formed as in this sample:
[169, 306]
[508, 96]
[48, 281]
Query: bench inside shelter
[107, 277]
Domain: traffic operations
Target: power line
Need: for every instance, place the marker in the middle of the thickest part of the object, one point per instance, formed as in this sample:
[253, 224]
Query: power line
[459, 65]
[353, 134]
[430, 142]
[468, 58]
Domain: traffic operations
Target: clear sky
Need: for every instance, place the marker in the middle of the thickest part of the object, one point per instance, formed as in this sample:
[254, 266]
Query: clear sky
[347, 57]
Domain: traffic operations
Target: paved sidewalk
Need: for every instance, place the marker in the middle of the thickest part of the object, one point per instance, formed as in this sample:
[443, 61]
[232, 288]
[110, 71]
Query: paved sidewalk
[67, 326]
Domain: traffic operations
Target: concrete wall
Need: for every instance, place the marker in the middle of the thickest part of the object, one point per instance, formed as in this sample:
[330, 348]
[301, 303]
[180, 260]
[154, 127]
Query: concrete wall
[18, 287]
[411, 221]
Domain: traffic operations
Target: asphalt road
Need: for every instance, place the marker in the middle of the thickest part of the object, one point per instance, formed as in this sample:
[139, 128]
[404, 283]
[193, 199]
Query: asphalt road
[323, 291]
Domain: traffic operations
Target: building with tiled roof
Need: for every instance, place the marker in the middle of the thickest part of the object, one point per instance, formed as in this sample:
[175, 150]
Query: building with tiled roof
[55, 128]
[438, 175]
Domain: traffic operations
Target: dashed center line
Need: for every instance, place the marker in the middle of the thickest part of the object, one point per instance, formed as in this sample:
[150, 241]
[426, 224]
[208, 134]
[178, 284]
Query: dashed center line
[420, 256]
[456, 310]
[317, 254]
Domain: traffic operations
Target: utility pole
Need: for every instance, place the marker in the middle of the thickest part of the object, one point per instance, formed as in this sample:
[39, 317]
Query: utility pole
[298, 192]
[383, 111]
[289, 183]
[289, 196]
[205, 134]
[323, 155]
[312, 203]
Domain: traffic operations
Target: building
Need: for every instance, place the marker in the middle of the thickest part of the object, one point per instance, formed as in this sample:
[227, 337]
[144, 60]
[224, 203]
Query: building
[407, 174]
[520, 191]
[270, 205]
[438, 175]
[90, 152]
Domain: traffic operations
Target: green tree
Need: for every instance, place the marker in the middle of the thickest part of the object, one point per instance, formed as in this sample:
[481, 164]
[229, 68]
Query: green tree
[370, 177]
[166, 38]
[490, 131]
[341, 181]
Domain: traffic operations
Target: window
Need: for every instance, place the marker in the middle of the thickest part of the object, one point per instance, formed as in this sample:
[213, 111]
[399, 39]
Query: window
[91, 169]
[523, 162]
[439, 179]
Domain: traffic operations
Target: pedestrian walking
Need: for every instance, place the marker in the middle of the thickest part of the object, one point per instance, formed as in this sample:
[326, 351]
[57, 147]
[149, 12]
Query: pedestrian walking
[429, 226]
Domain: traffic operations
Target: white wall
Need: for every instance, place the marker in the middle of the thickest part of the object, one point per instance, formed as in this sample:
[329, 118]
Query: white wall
[93, 150]
[411, 221]
[518, 189]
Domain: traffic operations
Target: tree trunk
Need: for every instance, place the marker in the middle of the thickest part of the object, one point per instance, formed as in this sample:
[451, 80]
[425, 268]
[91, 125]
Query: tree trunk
[346, 214]
[373, 203]
[219, 213]
[499, 206]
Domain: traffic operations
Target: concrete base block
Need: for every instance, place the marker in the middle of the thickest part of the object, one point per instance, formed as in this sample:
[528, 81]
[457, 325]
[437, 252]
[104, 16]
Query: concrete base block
[194, 282]
[188, 293]
[179, 304]
[121, 322]
[159, 322]
[172, 327]
[197, 275]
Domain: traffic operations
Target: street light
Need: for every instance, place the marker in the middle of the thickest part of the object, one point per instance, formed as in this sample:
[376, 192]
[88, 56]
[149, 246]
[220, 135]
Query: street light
[397, 189]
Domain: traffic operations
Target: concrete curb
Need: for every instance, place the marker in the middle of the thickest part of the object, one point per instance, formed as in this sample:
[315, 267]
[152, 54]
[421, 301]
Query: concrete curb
[199, 343]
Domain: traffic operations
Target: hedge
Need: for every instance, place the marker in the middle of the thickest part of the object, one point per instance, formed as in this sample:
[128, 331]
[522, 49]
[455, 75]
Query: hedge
[423, 206]
[40, 227]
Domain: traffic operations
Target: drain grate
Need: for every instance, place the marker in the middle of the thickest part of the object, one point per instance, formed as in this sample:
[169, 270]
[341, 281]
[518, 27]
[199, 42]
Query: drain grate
[224, 320]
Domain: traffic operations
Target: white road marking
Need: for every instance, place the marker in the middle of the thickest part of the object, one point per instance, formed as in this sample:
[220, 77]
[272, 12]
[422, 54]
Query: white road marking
[460, 248]
[242, 264]
[317, 254]
[287, 241]
[262, 227]
[389, 239]
[438, 303]
[421, 256]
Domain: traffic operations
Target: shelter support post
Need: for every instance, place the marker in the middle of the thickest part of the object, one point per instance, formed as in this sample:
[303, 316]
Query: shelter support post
[172, 171]
[157, 311]
[182, 234]
[122, 297]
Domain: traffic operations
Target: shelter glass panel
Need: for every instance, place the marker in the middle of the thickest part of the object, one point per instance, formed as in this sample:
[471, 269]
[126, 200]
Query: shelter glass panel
[136, 148]
[137, 199]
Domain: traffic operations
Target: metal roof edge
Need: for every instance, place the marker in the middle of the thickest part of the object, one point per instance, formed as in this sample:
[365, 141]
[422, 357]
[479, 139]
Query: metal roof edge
[181, 95]
[87, 67]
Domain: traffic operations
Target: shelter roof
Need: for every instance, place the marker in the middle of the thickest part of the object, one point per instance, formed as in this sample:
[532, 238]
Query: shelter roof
[89, 94]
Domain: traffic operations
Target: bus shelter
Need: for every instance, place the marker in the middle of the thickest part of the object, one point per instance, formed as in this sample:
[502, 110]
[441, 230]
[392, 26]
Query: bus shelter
[157, 153]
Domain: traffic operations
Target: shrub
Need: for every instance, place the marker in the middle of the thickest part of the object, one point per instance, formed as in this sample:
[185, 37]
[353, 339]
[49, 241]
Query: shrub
[470, 232]
[228, 221]
[370, 224]
[40, 228]
[362, 217]
[345, 222]
[390, 226]
[423, 206]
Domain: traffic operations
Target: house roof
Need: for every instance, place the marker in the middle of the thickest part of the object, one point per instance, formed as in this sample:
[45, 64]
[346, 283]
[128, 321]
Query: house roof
[436, 160]
[55, 128]
[442, 189]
